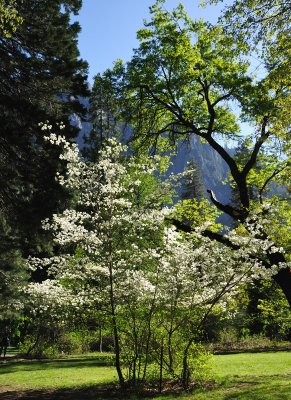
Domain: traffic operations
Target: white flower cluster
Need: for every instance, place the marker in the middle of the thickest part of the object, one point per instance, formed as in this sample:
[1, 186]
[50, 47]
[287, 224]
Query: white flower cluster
[46, 126]
[118, 226]
[51, 297]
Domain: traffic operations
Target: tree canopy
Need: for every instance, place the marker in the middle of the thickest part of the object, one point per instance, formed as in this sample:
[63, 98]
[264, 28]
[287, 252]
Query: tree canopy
[188, 77]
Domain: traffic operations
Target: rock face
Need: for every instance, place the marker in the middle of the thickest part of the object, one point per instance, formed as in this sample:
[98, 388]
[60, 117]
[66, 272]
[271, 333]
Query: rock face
[213, 170]
[212, 167]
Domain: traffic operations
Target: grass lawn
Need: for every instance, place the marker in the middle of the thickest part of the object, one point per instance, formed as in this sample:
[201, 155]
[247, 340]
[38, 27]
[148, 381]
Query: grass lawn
[68, 372]
[248, 376]
[245, 376]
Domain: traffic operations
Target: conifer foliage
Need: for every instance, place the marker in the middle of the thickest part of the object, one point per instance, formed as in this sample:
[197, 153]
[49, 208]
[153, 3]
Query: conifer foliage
[41, 75]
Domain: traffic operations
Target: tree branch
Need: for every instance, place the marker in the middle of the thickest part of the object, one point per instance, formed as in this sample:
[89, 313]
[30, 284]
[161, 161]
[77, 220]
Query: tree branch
[233, 212]
[275, 173]
[207, 233]
[253, 158]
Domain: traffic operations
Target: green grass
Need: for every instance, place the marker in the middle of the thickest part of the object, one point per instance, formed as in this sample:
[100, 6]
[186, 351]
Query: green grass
[60, 373]
[244, 376]
[12, 351]
[263, 363]
[247, 376]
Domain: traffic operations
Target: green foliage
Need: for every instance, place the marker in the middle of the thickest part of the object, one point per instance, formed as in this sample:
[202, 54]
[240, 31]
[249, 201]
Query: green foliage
[42, 349]
[13, 276]
[9, 18]
[199, 362]
[275, 317]
[192, 183]
[257, 20]
[273, 314]
[175, 49]
[259, 317]
[270, 165]
[264, 28]
[43, 76]
[69, 343]
[185, 78]
[197, 213]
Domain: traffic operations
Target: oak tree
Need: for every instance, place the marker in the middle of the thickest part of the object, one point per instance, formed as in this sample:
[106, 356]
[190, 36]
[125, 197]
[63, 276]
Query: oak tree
[186, 78]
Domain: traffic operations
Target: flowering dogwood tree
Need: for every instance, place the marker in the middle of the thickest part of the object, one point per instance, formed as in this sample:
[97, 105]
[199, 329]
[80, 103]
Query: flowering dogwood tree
[155, 285]
[113, 224]
[196, 277]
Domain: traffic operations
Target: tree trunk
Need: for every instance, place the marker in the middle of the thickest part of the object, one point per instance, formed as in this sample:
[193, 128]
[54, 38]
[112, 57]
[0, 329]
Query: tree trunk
[100, 339]
[161, 366]
[283, 279]
[185, 371]
[115, 330]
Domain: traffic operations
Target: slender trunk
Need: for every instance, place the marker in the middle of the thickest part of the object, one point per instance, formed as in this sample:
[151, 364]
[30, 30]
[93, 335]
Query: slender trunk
[170, 354]
[172, 330]
[133, 377]
[117, 352]
[34, 345]
[115, 329]
[135, 348]
[149, 334]
[185, 370]
[139, 366]
[161, 366]
[100, 339]
[147, 351]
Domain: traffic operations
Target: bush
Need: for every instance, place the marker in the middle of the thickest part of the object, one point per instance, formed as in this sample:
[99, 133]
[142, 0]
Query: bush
[69, 343]
[38, 348]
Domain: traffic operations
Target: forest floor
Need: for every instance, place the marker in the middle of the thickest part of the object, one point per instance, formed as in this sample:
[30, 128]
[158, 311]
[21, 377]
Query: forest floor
[243, 376]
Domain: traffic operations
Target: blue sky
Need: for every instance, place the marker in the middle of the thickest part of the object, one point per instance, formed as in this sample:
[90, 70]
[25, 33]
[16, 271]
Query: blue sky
[109, 28]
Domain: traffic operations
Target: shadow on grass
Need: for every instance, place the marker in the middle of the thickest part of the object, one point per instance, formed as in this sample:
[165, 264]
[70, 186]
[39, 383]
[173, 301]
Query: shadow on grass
[258, 350]
[244, 390]
[89, 393]
[247, 390]
[10, 366]
[94, 392]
